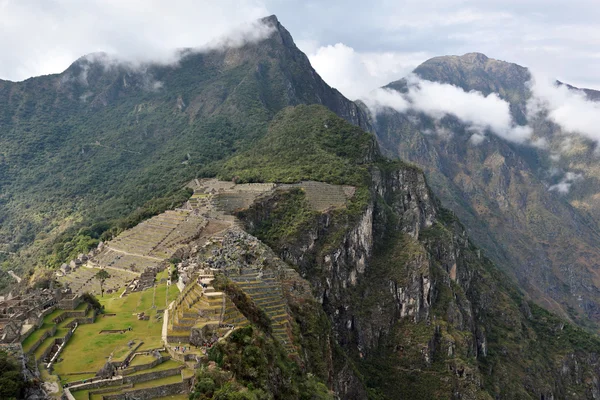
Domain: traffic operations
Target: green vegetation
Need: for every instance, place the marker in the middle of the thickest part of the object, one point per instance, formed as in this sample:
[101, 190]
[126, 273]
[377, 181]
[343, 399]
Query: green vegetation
[92, 301]
[101, 276]
[84, 149]
[12, 383]
[87, 349]
[289, 219]
[252, 366]
[305, 143]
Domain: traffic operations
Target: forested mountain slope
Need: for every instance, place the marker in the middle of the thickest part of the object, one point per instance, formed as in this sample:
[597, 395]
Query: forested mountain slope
[90, 145]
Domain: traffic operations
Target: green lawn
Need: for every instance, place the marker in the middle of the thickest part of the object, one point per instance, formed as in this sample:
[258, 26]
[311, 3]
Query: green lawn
[169, 364]
[87, 350]
[49, 342]
[157, 382]
[142, 359]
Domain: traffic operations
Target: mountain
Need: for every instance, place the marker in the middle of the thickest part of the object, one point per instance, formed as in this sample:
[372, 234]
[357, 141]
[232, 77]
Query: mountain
[85, 148]
[500, 190]
[416, 310]
[394, 300]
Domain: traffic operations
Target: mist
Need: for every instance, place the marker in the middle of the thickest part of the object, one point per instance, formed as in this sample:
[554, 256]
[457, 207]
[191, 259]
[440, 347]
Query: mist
[131, 31]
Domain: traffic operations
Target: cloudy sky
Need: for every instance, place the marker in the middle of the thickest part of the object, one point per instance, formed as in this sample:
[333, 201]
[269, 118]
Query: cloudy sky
[355, 45]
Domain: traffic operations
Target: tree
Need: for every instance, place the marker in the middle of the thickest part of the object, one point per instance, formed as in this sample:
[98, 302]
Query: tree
[102, 275]
[12, 383]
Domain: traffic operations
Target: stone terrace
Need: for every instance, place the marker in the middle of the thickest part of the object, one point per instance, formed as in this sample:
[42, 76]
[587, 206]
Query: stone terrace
[151, 242]
[83, 280]
[257, 271]
[199, 310]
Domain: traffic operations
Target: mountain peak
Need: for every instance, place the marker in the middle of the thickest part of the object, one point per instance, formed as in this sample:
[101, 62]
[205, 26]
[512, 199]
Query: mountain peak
[271, 20]
[475, 58]
[476, 71]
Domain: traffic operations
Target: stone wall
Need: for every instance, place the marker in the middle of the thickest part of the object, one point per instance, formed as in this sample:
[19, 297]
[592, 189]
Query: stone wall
[100, 383]
[135, 368]
[38, 324]
[48, 350]
[178, 339]
[46, 312]
[150, 376]
[128, 357]
[69, 303]
[154, 392]
[46, 335]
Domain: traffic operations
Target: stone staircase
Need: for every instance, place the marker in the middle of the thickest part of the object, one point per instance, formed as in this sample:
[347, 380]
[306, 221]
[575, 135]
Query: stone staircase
[265, 290]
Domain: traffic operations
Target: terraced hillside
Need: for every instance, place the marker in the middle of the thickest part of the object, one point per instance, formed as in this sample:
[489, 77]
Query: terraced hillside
[201, 312]
[83, 280]
[150, 242]
[229, 197]
[265, 290]
[124, 344]
[148, 375]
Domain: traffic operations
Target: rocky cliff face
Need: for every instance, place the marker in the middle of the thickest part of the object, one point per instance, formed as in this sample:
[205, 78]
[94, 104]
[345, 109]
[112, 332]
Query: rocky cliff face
[417, 308]
[500, 190]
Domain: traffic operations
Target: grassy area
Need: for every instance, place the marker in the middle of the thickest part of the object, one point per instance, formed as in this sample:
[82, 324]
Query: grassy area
[157, 382]
[142, 359]
[174, 397]
[48, 318]
[85, 394]
[88, 350]
[49, 342]
[169, 364]
[35, 336]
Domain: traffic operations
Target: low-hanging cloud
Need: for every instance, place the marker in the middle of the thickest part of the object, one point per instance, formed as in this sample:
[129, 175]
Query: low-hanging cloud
[564, 186]
[356, 73]
[568, 108]
[43, 36]
[479, 112]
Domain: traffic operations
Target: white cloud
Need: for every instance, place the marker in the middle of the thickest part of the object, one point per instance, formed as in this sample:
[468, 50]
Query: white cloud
[479, 111]
[379, 99]
[46, 36]
[477, 139]
[354, 73]
[564, 186]
[570, 109]
[437, 100]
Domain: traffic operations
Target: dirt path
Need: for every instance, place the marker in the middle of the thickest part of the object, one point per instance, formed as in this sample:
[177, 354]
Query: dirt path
[165, 326]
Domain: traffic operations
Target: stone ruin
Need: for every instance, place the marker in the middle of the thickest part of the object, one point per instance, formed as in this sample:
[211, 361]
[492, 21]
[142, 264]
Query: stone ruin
[20, 312]
[144, 281]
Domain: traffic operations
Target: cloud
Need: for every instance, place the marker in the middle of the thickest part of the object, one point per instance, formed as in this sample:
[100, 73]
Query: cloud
[46, 36]
[479, 112]
[570, 109]
[564, 186]
[380, 99]
[354, 73]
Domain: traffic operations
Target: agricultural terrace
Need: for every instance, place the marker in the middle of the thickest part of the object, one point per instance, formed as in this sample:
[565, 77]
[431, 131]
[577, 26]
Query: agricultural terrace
[88, 350]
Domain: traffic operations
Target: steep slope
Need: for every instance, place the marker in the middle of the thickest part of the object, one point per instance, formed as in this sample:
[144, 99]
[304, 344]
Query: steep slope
[91, 144]
[549, 242]
[413, 303]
